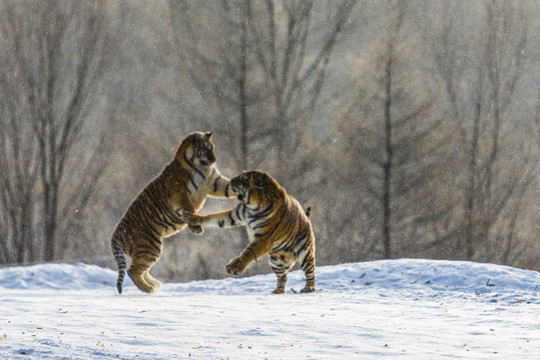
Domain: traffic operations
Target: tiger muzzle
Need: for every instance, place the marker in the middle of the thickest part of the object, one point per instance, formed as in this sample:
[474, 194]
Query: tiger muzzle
[237, 186]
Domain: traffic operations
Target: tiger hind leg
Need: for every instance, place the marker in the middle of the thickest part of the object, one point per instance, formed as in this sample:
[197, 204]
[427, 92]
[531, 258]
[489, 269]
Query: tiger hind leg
[152, 280]
[282, 282]
[308, 265]
[138, 272]
[138, 276]
[281, 263]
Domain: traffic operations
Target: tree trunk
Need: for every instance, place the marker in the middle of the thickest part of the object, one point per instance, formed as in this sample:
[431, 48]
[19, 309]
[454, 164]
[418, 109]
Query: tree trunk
[387, 165]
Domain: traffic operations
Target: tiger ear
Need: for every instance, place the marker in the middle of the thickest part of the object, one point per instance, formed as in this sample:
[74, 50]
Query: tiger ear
[258, 181]
[208, 135]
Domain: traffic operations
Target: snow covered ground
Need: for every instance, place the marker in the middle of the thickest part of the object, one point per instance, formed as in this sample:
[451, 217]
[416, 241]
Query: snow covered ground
[406, 309]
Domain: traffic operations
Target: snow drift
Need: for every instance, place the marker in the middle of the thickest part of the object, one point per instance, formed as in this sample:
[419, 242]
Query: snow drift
[403, 274]
[408, 308]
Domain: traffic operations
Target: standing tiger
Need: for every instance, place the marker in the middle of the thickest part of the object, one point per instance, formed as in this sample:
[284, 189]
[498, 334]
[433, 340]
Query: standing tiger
[276, 225]
[155, 213]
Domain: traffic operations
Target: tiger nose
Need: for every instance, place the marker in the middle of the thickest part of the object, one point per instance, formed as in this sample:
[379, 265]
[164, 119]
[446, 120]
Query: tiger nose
[235, 185]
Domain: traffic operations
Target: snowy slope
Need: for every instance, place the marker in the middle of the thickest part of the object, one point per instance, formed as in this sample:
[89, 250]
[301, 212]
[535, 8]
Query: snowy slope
[411, 309]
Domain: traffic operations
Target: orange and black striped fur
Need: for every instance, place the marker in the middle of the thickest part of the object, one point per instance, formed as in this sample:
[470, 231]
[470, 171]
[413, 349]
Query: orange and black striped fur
[183, 185]
[276, 225]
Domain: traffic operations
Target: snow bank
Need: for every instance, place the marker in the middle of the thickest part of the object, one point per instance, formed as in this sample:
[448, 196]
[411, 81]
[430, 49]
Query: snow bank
[406, 309]
[57, 277]
[438, 275]
[402, 274]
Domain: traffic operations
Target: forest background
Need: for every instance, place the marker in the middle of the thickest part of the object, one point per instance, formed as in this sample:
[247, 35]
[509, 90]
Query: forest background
[410, 127]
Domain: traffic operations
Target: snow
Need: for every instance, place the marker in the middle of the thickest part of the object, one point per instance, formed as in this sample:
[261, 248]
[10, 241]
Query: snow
[406, 309]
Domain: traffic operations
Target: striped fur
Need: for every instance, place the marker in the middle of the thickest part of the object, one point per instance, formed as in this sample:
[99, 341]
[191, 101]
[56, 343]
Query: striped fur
[276, 225]
[183, 185]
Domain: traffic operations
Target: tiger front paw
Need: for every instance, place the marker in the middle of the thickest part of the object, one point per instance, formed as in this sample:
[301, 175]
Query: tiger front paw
[235, 267]
[194, 222]
[196, 229]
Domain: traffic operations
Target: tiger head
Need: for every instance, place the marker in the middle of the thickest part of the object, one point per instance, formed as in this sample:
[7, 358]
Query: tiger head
[197, 149]
[257, 188]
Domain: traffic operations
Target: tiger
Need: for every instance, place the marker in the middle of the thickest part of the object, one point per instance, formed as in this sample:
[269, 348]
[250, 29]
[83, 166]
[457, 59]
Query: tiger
[276, 225]
[183, 185]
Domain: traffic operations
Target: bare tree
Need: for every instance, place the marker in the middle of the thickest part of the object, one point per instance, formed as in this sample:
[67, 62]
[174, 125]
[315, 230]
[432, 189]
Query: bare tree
[18, 176]
[293, 55]
[480, 81]
[217, 67]
[393, 146]
[53, 56]
[264, 71]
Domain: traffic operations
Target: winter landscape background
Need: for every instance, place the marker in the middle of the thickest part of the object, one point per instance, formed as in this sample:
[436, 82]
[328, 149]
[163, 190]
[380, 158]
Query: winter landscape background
[410, 127]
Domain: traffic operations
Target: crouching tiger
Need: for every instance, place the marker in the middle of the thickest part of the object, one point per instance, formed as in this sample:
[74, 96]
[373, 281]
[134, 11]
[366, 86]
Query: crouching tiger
[182, 185]
[276, 225]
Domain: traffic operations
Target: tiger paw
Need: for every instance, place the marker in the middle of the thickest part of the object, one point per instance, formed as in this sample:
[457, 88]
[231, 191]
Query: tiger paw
[308, 289]
[235, 267]
[279, 291]
[190, 218]
[196, 229]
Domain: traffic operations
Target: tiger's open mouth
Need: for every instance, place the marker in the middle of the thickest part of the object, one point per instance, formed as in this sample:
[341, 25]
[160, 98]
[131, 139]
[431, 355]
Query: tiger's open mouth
[241, 193]
[240, 190]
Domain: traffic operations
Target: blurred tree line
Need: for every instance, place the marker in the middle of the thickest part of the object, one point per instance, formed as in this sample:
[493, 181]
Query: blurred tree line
[410, 127]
